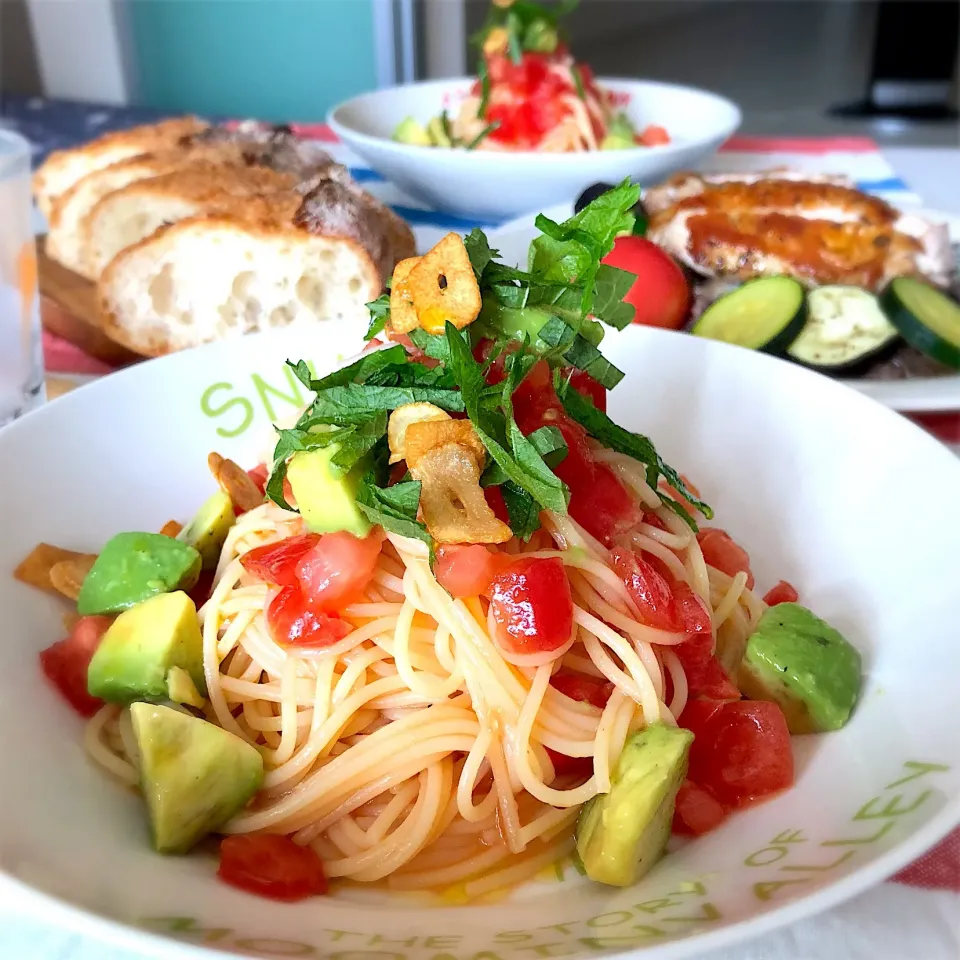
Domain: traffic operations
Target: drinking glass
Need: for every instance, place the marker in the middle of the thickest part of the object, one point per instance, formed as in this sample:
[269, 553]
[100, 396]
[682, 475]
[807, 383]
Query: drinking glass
[21, 356]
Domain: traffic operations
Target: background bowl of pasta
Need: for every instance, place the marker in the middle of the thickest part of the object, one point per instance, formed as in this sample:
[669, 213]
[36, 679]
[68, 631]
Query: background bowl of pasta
[487, 182]
[824, 487]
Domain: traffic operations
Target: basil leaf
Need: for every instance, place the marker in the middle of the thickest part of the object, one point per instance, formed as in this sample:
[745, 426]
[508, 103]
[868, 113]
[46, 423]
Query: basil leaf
[356, 402]
[548, 442]
[379, 315]
[586, 357]
[563, 252]
[479, 252]
[610, 286]
[523, 511]
[392, 508]
[357, 371]
[615, 437]
[302, 371]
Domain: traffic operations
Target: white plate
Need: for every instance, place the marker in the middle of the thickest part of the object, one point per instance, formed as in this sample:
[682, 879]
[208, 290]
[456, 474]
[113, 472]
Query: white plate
[908, 396]
[813, 478]
[496, 185]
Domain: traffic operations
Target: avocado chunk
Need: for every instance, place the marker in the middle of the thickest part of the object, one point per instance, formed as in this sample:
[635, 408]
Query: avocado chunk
[612, 142]
[182, 689]
[195, 776]
[142, 645]
[412, 132]
[327, 499]
[207, 531]
[133, 567]
[800, 662]
[437, 132]
[541, 37]
[623, 833]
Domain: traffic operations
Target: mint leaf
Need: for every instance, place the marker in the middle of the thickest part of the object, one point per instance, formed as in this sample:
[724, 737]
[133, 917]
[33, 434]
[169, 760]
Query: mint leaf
[379, 314]
[635, 445]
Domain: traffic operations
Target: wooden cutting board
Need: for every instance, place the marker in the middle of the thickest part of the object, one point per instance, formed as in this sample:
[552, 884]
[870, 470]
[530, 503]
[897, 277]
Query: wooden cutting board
[69, 309]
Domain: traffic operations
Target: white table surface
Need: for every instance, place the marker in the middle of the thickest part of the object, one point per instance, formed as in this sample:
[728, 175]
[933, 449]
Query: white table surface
[868, 930]
[932, 172]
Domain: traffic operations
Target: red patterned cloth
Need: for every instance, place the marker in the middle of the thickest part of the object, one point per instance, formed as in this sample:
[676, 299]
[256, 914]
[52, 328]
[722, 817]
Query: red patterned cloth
[937, 870]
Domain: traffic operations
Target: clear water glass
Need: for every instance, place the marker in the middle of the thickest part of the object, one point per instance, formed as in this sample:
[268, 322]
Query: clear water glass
[21, 355]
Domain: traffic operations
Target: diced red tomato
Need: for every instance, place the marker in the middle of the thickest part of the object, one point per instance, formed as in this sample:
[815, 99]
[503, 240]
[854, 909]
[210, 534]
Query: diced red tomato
[783, 592]
[277, 562]
[495, 501]
[65, 663]
[648, 589]
[705, 675]
[293, 623]
[598, 501]
[466, 570]
[578, 686]
[660, 295]
[585, 384]
[271, 866]
[201, 590]
[723, 553]
[653, 136]
[696, 812]
[532, 605]
[741, 751]
[259, 476]
[581, 767]
[692, 613]
[336, 571]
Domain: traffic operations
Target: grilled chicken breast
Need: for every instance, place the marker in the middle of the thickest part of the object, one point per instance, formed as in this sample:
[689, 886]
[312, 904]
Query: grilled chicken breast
[817, 231]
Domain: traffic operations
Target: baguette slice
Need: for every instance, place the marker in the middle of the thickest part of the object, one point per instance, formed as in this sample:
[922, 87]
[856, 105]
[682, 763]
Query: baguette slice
[63, 168]
[211, 277]
[128, 215]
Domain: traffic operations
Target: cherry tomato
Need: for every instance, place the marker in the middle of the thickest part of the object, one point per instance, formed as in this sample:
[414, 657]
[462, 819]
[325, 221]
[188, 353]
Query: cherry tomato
[660, 295]
[532, 605]
[293, 623]
[653, 136]
[336, 571]
[696, 812]
[648, 589]
[65, 663]
[722, 553]
[259, 476]
[741, 751]
[466, 570]
[271, 866]
[578, 686]
[783, 592]
[277, 562]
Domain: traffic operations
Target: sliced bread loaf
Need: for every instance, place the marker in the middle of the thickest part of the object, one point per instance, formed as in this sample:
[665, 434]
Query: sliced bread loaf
[126, 216]
[210, 277]
[63, 168]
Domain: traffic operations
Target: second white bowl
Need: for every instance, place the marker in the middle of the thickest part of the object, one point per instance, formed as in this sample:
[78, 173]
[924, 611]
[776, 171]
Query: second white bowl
[491, 185]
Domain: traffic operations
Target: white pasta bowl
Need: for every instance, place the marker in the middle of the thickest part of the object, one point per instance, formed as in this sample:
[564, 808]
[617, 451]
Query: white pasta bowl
[825, 487]
[494, 185]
